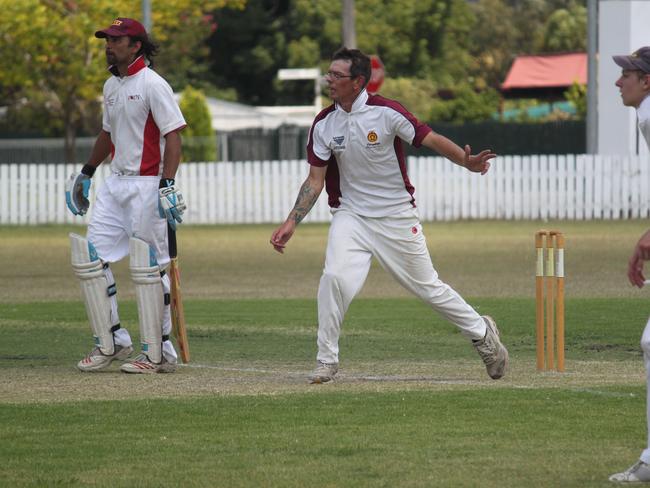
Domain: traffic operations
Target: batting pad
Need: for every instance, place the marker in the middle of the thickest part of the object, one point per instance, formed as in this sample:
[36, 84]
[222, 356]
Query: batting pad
[145, 274]
[95, 288]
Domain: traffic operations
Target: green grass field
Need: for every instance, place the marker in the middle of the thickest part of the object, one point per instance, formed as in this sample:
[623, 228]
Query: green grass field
[413, 406]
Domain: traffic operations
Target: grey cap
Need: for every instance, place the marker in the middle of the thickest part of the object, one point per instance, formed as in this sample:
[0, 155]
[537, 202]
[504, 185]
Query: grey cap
[638, 60]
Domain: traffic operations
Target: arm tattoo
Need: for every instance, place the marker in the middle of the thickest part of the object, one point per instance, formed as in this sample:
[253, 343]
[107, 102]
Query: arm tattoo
[307, 197]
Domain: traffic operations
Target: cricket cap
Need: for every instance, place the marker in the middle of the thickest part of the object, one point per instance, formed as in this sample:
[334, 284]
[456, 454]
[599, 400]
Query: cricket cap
[638, 60]
[123, 27]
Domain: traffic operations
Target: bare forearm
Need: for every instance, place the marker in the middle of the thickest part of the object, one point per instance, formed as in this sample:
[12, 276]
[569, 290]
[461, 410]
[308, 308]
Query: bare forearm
[101, 149]
[444, 147]
[172, 155]
[307, 197]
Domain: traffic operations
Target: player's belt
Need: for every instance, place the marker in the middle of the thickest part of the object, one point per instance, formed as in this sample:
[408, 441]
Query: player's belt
[126, 173]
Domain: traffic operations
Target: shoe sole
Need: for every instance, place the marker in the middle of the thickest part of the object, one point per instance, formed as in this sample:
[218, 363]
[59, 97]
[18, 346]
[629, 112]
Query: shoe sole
[320, 381]
[162, 370]
[95, 368]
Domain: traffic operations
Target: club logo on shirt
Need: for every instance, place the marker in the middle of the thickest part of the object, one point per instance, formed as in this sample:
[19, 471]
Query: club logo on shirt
[372, 139]
[135, 97]
[339, 143]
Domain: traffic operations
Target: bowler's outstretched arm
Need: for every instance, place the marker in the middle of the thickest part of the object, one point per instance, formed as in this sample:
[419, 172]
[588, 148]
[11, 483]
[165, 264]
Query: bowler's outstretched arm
[477, 163]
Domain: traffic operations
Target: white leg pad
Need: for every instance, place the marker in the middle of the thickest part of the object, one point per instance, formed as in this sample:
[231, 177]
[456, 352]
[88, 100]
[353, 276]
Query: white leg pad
[96, 291]
[149, 294]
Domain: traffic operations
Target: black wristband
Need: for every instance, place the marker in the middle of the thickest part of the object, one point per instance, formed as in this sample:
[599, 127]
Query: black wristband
[166, 182]
[88, 170]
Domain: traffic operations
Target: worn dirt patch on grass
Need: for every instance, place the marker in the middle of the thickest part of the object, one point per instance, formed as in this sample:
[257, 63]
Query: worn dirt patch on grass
[65, 384]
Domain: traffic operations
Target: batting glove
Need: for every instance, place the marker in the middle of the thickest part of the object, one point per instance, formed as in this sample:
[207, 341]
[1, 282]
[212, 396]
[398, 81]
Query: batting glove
[171, 204]
[76, 190]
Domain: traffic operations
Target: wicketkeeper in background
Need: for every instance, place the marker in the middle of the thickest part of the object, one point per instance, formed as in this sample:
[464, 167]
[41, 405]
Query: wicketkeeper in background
[140, 130]
[355, 150]
[634, 86]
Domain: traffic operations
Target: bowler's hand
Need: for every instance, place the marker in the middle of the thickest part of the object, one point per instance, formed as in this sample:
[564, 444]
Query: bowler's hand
[282, 234]
[478, 163]
[635, 266]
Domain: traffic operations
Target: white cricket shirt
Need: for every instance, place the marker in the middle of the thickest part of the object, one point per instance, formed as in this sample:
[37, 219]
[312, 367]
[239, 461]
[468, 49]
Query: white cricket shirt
[643, 117]
[139, 110]
[362, 149]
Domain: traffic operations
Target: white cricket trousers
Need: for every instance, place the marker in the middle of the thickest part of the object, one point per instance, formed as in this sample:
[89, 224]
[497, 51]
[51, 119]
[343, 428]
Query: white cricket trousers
[128, 206]
[398, 244]
[645, 346]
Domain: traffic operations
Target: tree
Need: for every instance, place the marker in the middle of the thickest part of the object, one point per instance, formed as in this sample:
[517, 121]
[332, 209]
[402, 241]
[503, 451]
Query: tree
[507, 28]
[492, 47]
[49, 51]
[566, 30]
[182, 31]
[418, 96]
[199, 143]
[427, 39]
[467, 105]
[247, 48]
[48, 54]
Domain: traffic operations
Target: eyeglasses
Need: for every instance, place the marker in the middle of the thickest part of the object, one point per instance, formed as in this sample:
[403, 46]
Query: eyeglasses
[337, 76]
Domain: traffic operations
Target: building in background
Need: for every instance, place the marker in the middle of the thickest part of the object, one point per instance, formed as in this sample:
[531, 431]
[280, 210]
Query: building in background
[545, 78]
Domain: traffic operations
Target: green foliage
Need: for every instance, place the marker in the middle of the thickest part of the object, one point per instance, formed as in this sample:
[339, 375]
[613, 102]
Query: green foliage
[181, 27]
[466, 105]
[417, 95]
[577, 95]
[50, 53]
[507, 28]
[50, 56]
[58, 66]
[30, 118]
[426, 40]
[247, 49]
[566, 30]
[302, 53]
[199, 140]
[492, 48]
[444, 43]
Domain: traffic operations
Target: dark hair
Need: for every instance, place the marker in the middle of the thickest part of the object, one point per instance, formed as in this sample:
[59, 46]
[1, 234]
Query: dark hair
[148, 48]
[360, 62]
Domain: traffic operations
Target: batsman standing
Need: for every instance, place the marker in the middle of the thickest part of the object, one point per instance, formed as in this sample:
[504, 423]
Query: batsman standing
[355, 151]
[634, 86]
[140, 131]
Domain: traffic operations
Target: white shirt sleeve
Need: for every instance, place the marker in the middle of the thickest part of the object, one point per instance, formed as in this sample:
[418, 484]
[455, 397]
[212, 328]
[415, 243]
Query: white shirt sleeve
[106, 122]
[403, 127]
[318, 152]
[164, 109]
[643, 118]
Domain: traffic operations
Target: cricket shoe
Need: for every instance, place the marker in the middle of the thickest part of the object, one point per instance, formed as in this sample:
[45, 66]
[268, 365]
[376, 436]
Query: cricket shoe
[323, 373]
[637, 473]
[493, 353]
[97, 360]
[143, 365]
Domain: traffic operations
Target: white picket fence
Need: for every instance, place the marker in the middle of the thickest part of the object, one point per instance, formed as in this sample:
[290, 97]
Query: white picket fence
[516, 187]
